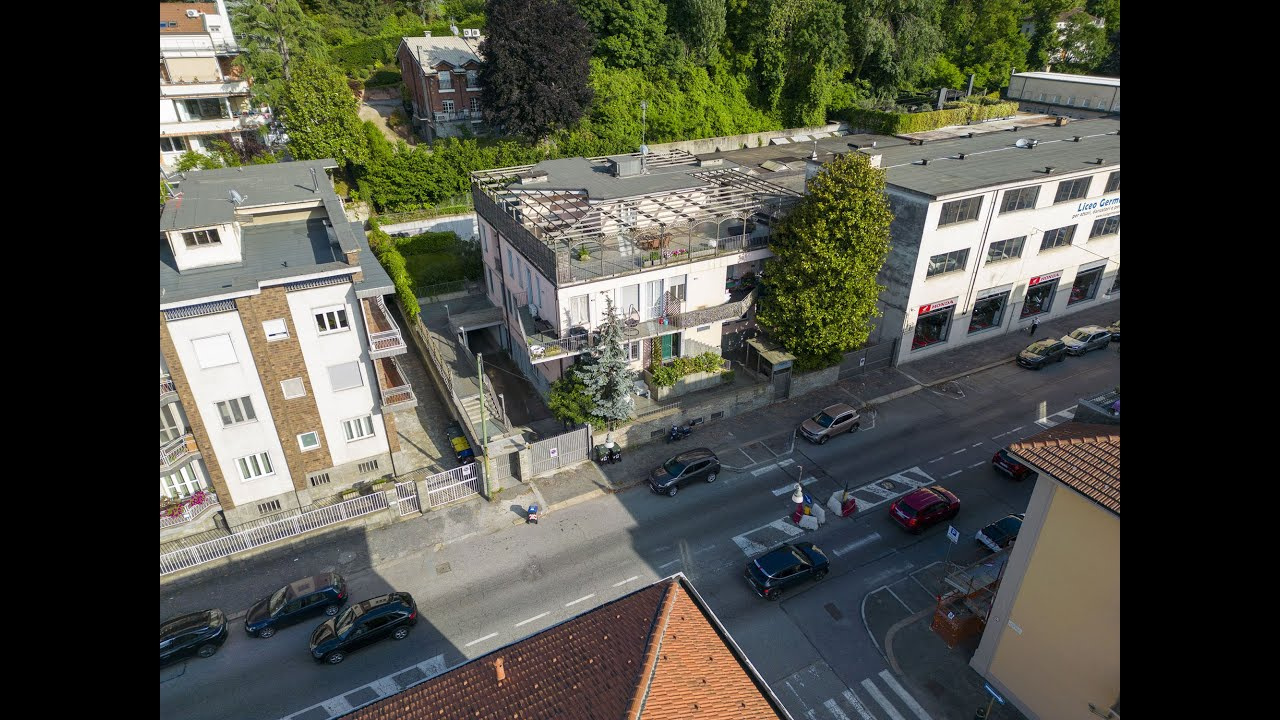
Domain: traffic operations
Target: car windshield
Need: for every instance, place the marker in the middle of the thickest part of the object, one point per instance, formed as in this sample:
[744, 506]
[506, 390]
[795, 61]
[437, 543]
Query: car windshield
[348, 618]
[1039, 349]
[673, 467]
[1010, 525]
[1080, 334]
[277, 599]
[823, 419]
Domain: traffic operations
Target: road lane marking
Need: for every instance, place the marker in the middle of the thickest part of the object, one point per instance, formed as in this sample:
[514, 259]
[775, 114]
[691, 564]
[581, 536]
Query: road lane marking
[786, 527]
[779, 492]
[906, 697]
[888, 573]
[835, 710]
[977, 444]
[784, 463]
[1017, 429]
[624, 582]
[951, 473]
[895, 597]
[760, 471]
[980, 462]
[385, 686]
[584, 597]
[336, 706]
[957, 452]
[478, 640]
[940, 457]
[535, 617]
[856, 544]
[699, 551]
[666, 565]
[749, 548]
[857, 705]
[883, 701]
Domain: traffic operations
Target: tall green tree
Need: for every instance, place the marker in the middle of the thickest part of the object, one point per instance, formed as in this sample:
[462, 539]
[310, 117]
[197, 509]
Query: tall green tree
[701, 24]
[276, 34]
[820, 290]
[320, 114]
[609, 379]
[892, 43]
[535, 82]
[1044, 41]
[629, 33]
[984, 37]
[1082, 46]
[569, 401]
[799, 58]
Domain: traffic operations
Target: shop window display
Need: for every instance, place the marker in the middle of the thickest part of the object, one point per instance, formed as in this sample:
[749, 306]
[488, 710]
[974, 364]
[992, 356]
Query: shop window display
[1039, 299]
[988, 312]
[932, 328]
[1086, 286]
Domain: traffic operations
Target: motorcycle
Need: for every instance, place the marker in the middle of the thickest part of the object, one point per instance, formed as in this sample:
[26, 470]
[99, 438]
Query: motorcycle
[680, 432]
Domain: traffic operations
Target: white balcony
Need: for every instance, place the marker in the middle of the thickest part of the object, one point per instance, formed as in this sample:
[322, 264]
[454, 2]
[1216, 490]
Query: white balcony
[216, 125]
[225, 86]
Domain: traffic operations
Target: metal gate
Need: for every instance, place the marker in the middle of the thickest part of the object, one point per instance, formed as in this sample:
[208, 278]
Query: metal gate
[868, 358]
[504, 467]
[407, 494]
[560, 451]
[448, 486]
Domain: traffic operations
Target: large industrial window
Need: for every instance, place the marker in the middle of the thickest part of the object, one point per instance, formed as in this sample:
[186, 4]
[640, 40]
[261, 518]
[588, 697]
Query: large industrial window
[1057, 237]
[947, 262]
[1072, 189]
[958, 211]
[1020, 199]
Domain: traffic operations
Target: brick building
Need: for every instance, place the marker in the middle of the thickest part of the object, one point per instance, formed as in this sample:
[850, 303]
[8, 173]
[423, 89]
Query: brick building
[277, 353]
[440, 74]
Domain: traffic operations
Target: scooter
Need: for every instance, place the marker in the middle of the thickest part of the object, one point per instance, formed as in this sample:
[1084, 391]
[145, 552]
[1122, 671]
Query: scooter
[680, 432]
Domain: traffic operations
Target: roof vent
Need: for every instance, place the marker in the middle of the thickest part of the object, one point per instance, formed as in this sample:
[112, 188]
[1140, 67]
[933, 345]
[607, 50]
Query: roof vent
[917, 142]
[1013, 129]
[1099, 161]
[625, 166]
[969, 135]
[1075, 139]
[1048, 169]
[924, 161]
[532, 177]
[193, 13]
[710, 162]
[962, 156]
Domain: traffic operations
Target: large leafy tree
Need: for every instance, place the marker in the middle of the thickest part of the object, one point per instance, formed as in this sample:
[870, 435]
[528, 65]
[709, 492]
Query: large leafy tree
[984, 37]
[701, 24]
[320, 113]
[569, 401]
[800, 50]
[892, 43]
[609, 379]
[1082, 45]
[276, 35]
[535, 82]
[629, 33]
[820, 290]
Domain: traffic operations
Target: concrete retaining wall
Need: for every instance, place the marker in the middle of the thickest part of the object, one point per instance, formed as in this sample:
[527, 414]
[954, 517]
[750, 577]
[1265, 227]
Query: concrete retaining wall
[743, 399]
[464, 225]
[684, 385]
[802, 383]
[736, 142]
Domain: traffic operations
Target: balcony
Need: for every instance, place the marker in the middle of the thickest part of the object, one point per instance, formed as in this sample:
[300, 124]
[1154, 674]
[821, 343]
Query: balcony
[655, 248]
[204, 88]
[397, 393]
[168, 391]
[178, 451]
[385, 339]
[457, 116]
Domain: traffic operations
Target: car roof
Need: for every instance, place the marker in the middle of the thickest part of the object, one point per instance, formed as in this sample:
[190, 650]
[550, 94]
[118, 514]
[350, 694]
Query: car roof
[1091, 328]
[312, 584]
[925, 496]
[1044, 343]
[836, 409]
[185, 623]
[694, 454]
[779, 558]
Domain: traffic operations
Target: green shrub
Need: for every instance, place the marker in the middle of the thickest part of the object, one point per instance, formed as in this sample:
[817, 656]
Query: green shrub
[728, 376]
[384, 77]
[408, 302]
[429, 242]
[666, 375]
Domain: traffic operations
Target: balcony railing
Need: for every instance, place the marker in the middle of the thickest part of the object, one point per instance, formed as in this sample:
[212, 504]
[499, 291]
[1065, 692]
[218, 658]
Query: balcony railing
[168, 391]
[177, 450]
[222, 86]
[397, 393]
[385, 339]
[191, 512]
[456, 116]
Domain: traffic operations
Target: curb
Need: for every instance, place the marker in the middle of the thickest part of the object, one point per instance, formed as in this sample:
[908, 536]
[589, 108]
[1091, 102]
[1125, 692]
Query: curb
[980, 368]
[598, 492]
[893, 630]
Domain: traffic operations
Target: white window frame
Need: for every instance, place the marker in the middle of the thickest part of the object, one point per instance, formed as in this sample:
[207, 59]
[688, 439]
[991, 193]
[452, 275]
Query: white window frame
[633, 350]
[339, 314]
[249, 464]
[359, 372]
[473, 77]
[205, 237]
[302, 445]
[233, 407]
[293, 382]
[362, 423]
[276, 329]
[447, 106]
[444, 78]
[475, 105]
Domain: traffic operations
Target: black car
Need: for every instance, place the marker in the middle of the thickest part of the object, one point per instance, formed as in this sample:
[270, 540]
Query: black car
[301, 599]
[389, 615]
[1041, 353]
[1000, 533]
[784, 566]
[1005, 463]
[199, 633]
[696, 464]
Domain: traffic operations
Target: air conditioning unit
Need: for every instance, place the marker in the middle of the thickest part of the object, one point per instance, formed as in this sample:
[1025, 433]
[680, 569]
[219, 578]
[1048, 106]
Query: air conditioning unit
[471, 32]
[193, 13]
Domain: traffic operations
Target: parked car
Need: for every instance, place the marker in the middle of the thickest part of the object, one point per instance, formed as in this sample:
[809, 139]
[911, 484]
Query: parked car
[301, 599]
[924, 507]
[784, 566]
[199, 633]
[1041, 353]
[696, 464]
[837, 418]
[1083, 339]
[1005, 463]
[1000, 533]
[384, 616]
[1114, 329]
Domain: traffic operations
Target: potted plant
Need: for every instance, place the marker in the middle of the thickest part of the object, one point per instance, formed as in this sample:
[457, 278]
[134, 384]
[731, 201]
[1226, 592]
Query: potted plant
[582, 254]
[654, 257]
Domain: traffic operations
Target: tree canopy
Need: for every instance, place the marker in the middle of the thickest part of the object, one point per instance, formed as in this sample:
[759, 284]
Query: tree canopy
[276, 34]
[820, 290]
[629, 33]
[321, 117]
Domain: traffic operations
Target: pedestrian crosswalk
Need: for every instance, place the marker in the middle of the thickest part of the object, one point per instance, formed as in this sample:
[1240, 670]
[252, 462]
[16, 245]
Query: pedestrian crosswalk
[876, 698]
[1057, 418]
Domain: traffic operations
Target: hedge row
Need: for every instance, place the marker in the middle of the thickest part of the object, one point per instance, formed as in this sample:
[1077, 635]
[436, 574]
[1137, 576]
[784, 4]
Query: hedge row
[901, 123]
[389, 255]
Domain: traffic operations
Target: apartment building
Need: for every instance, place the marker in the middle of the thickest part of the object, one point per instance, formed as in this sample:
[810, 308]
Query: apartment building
[440, 74]
[278, 357]
[203, 96]
[663, 236]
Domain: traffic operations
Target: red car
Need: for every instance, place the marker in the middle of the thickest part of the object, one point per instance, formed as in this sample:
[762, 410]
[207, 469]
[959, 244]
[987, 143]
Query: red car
[1005, 463]
[924, 507]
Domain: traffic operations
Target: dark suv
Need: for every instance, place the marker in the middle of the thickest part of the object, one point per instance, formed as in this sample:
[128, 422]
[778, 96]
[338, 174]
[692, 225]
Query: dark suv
[389, 615]
[1041, 353]
[696, 464]
[297, 601]
[924, 507]
[785, 566]
[199, 633]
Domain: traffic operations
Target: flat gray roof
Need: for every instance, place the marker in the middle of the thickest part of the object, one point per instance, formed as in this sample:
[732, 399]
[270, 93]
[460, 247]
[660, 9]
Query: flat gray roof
[595, 177]
[1067, 77]
[205, 195]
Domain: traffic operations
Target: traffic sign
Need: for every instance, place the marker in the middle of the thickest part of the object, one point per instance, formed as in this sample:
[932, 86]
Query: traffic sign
[953, 534]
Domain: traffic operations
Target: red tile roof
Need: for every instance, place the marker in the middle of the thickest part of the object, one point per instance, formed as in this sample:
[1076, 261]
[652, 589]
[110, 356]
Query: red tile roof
[177, 12]
[657, 653]
[1083, 456]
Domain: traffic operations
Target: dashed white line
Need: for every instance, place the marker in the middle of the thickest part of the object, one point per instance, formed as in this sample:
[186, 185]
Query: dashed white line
[835, 710]
[957, 452]
[478, 640]
[980, 462]
[1017, 429]
[624, 582]
[977, 444]
[790, 488]
[940, 457]
[952, 473]
[857, 704]
[883, 701]
[699, 551]
[902, 693]
[535, 617]
[666, 565]
[856, 544]
[584, 597]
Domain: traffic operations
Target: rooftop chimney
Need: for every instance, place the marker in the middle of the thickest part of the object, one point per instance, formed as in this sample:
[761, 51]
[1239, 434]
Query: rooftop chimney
[1048, 169]
[502, 673]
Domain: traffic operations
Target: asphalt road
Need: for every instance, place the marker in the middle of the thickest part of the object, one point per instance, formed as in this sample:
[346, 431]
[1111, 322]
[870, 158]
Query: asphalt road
[478, 594]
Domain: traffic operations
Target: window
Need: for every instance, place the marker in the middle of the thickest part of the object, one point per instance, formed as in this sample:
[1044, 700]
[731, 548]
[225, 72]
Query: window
[173, 144]
[359, 428]
[253, 467]
[510, 262]
[633, 350]
[183, 483]
[578, 311]
[1071, 100]
[988, 312]
[1005, 249]
[1053, 99]
[236, 411]
[1113, 182]
[475, 104]
[447, 105]
[958, 211]
[652, 300]
[330, 320]
[627, 300]
[1105, 226]
[293, 388]
[276, 329]
[1102, 104]
[345, 376]
[1039, 299]
[197, 238]
[206, 109]
[1086, 285]
[676, 287]
[446, 79]
[214, 351]
[309, 441]
[484, 238]
[471, 78]
[1057, 237]
[1040, 98]
[1115, 283]
[1020, 199]
[1072, 189]
[947, 262]
[168, 424]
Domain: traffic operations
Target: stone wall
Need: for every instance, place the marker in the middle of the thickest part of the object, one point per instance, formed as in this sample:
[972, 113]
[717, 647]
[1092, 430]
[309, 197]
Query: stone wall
[684, 385]
[802, 383]
[725, 404]
[736, 142]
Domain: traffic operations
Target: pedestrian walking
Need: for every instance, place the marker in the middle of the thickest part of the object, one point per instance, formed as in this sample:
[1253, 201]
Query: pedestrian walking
[1035, 323]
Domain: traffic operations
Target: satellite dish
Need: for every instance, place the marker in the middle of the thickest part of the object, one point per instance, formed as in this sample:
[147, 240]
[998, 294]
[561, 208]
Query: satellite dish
[236, 198]
[644, 149]
[1023, 142]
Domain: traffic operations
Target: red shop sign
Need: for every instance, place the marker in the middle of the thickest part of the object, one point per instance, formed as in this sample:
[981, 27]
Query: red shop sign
[936, 306]
[1044, 278]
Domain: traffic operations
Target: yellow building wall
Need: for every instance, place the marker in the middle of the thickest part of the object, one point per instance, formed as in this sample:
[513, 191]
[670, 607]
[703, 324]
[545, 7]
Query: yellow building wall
[1067, 653]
